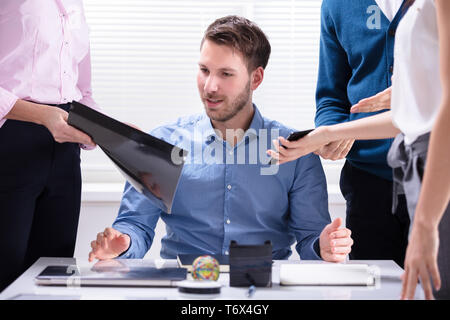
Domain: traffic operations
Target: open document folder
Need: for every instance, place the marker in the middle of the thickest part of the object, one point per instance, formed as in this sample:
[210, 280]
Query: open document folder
[151, 165]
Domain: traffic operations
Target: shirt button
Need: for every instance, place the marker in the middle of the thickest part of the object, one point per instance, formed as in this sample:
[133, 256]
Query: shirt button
[229, 187]
[391, 69]
[228, 221]
[231, 152]
[392, 32]
[226, 252]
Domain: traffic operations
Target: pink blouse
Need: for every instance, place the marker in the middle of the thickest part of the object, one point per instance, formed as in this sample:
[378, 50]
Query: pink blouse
[44, 53]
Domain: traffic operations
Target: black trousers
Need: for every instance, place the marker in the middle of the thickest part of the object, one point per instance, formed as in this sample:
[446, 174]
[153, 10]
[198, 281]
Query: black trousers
[377, 233]
[40, 193]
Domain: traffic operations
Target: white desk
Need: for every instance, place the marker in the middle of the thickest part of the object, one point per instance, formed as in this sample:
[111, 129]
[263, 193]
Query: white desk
[387, 288]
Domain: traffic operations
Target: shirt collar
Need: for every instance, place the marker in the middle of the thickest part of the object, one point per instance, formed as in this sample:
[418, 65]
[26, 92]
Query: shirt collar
[208, 131]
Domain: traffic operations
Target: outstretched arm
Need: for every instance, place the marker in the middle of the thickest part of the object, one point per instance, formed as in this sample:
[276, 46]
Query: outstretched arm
[379, 126]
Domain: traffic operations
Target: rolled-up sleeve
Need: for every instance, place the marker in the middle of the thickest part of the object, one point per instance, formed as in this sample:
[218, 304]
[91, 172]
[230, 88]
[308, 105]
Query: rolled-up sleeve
[7, 101]
[308, 200]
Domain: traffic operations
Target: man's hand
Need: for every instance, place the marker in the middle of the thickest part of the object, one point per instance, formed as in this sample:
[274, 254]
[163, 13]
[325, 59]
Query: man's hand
[380, 101]
[335, 243]
[109, 245]
[335, 150]
[55, 120]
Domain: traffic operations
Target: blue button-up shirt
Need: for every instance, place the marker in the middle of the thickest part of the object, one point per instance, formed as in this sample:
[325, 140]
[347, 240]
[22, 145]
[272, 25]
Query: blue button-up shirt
[231, 193]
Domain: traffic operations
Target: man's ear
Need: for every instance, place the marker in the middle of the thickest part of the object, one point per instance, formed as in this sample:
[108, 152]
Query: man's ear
[257, 77]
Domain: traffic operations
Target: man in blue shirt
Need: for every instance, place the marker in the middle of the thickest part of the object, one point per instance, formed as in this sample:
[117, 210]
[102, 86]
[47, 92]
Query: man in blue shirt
[356, 62]
[228, 189]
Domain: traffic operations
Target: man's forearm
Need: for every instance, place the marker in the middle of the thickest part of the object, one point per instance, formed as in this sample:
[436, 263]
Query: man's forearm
[329, 115]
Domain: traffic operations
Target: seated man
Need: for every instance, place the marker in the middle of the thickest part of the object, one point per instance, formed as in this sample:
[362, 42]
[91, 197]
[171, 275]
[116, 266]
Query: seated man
[226, 192]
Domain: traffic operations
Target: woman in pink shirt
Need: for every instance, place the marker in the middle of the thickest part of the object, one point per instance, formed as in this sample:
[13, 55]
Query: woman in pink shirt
[44, 65]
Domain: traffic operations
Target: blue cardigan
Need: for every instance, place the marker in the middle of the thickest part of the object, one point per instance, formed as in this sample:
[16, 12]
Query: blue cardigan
[356, 61]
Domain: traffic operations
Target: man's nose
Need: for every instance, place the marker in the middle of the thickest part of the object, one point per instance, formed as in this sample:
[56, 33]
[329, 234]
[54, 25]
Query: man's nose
[211, 84]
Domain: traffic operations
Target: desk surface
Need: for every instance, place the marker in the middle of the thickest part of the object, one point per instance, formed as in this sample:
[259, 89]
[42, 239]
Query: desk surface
[388, 286]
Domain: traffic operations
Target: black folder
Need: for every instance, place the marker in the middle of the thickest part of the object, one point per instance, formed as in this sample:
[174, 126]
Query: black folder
[151, 165]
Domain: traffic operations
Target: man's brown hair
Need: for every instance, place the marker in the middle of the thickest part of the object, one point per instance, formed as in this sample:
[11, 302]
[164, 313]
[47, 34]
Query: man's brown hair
[243, 35]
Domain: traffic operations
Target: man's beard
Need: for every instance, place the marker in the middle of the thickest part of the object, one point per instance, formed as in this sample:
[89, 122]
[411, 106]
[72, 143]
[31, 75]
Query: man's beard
[229, 111]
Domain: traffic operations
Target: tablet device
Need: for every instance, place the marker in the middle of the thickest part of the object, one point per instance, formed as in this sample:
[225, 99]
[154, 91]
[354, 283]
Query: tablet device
[74, 276]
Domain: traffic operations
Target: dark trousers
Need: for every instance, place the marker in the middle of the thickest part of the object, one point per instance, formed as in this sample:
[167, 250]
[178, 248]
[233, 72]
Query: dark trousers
[40, 193]
[377, 233]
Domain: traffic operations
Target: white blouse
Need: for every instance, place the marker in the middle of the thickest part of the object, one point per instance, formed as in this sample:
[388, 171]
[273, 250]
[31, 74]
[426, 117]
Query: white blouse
[416, 86]
[389, 7]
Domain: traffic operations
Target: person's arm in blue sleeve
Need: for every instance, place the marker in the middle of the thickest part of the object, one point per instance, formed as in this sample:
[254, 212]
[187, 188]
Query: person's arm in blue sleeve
[334, 73]
[137, 218]
[308, 202]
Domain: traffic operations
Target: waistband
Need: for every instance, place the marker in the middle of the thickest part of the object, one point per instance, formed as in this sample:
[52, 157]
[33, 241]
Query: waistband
[408, 162]
[64, 106]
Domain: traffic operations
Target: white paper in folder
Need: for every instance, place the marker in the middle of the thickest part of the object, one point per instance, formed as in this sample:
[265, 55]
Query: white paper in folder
[328, 274]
